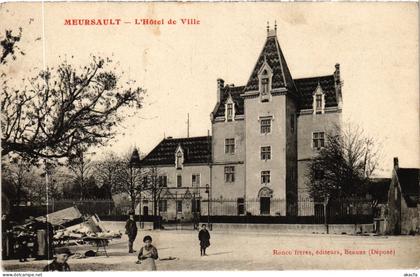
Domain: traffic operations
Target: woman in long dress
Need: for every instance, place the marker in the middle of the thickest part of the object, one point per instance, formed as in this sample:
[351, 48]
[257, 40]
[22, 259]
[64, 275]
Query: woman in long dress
[148, 254]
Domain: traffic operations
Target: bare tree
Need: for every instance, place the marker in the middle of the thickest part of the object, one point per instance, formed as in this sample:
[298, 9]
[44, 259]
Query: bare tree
[19, 173]
[152, 185]
[106, 171]
[60, 110]
[344, 165]
[9, 46]
[81, 168]
[128, 179]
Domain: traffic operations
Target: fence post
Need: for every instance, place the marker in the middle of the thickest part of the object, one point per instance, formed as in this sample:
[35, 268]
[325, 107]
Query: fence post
[326, 216]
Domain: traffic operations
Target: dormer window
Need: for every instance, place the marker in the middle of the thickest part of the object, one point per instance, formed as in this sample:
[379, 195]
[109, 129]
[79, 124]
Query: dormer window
[179, 157]
[318, 100]
[229, 109]
[265, 75]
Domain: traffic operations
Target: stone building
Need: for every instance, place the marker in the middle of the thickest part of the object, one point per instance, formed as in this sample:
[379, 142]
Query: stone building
[182, 168]
[264, 133]
[403, 213]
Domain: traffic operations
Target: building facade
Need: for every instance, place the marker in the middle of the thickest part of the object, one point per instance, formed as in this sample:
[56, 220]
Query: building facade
[264, 133]
[182, 170]
[403, 211]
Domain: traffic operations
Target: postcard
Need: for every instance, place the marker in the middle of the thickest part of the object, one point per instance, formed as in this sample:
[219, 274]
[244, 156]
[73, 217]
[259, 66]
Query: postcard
[199, 136]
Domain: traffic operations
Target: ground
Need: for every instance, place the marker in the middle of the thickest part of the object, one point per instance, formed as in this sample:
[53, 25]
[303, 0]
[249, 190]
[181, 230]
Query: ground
[251, 251]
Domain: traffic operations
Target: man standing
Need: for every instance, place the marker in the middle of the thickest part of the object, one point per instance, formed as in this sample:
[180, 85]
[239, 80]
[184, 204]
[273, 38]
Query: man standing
[131, 231]
[204, 237]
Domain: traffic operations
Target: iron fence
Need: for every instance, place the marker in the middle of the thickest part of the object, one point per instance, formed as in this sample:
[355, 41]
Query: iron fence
[305, 210]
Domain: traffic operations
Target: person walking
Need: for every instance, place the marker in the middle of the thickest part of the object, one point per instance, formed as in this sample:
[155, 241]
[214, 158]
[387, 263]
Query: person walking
[148, 254]
[131, 231]
[204, 237]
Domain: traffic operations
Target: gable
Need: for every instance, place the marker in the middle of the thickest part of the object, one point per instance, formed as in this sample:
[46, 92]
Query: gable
[235, 93]
[273, 56]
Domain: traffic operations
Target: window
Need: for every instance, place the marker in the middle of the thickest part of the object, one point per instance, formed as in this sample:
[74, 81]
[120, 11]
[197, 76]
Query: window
[265, 126]
[163, 181]
[179, 206]
[265, 177]
[195, 179]
[179, 181]
[264, 84]
[229, 174]
[179, 159]
[229, 111]
[318, 101]
[317, 140]
[241, 206]
[229, 146]
[163, 206]
[265, 153]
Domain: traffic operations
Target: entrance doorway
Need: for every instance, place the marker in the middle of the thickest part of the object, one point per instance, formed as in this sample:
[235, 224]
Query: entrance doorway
[264, 205]
[145, 210]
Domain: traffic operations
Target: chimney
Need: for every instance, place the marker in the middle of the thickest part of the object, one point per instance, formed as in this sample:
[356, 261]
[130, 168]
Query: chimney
[396, 165]
[220, 84]
[337, 73]
[338, 85]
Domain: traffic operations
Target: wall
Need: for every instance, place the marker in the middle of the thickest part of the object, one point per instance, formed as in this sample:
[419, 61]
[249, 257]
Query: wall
[220, 132]
[349, 229]
[307, 124]
[393, 218]
[291, 157]
[179, 193]
[409, 219]
[254, 109]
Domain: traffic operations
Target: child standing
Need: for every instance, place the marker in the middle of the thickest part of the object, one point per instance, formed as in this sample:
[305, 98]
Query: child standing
[148, 254]
[204, 238]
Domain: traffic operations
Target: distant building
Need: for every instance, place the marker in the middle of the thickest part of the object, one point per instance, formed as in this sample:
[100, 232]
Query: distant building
[378, 194]
[263, 136]
[182, 169]
[403, 216]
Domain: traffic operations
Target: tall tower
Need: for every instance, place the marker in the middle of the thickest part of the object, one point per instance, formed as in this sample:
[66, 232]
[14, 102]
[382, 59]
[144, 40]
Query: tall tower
[270, 101]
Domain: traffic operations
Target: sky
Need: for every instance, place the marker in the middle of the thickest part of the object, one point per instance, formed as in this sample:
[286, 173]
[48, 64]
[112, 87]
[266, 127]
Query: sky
[376, 45]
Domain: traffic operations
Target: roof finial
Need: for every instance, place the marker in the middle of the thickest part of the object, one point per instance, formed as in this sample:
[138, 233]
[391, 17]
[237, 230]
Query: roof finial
[275, 26]
[268, 27]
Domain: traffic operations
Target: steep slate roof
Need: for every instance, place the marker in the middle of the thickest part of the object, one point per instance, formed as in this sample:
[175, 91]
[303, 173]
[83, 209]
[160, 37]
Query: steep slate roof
[274, 56]
[409, 182]
[303, 88]
[307, 87]
[235, 92]
[196, 150]
[379, 188]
